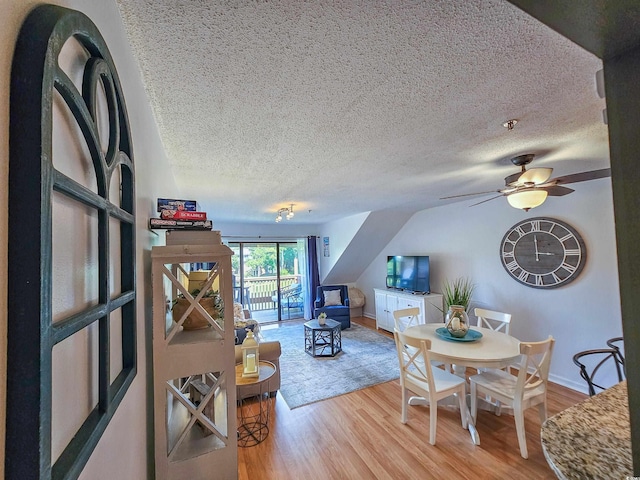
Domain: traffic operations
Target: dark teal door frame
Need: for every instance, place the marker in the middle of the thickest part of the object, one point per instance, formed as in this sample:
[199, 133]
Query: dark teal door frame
[610, 29]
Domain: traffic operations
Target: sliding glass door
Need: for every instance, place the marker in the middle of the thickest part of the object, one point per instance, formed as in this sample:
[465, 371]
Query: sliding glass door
[268, 279]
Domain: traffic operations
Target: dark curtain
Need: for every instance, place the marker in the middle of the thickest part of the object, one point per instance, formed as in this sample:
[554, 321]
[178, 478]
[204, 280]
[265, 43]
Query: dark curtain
[312, 270]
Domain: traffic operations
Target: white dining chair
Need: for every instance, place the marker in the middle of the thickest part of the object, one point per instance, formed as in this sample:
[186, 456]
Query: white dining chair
[432, 384]
[527, 389]
[408, 317]
[497, 321]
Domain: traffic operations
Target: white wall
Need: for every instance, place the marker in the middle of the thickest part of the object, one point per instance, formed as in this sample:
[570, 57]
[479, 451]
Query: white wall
[464, 241]
[340, 233]
[122, 451]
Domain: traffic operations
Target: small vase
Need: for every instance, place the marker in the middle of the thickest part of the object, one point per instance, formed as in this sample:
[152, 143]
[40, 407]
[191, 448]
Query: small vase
[321, 320]
[457, 321]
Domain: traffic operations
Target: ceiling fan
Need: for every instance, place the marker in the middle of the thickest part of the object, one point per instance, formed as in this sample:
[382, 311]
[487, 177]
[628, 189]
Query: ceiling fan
[529, 188]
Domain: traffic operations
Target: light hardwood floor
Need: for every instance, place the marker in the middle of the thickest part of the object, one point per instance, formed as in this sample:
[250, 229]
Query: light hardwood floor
[359, 436]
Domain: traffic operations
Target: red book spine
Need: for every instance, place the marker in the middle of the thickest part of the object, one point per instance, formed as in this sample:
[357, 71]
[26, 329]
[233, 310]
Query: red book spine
[183, 215]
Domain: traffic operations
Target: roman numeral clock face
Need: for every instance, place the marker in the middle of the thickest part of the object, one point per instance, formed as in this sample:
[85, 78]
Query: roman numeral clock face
[543, 252]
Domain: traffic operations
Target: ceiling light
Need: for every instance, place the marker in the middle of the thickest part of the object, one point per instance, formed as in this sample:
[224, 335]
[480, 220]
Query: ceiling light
[535, 175]
[509, 124]
[527, 199]
[287, 211]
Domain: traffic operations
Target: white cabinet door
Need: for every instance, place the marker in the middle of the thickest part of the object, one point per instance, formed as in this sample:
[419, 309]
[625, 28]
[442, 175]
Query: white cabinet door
[392, 306]
[381, 310]
[386, 304]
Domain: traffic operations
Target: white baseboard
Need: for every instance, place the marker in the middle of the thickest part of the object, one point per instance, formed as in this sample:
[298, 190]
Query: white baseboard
[565, 382]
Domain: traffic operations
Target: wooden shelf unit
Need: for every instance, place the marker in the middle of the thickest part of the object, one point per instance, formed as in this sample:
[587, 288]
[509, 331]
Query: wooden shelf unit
[193, 371]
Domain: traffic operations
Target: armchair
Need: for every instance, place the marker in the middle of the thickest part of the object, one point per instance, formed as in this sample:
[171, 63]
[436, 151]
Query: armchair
[335, 305]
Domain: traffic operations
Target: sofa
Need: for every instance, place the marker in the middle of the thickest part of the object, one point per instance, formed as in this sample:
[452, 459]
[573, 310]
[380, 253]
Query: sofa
[334, 301]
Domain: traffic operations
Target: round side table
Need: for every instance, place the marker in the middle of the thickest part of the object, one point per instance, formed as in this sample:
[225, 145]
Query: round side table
[254, 410]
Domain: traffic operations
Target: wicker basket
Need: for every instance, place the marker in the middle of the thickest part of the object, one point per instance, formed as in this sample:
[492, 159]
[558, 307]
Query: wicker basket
[195, 320]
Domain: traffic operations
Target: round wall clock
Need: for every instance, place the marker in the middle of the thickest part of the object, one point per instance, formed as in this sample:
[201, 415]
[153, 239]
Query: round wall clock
[543, 252]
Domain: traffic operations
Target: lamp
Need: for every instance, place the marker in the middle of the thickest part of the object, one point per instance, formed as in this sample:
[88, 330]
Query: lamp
[527, 199]
[535, 176]
[250, 356]
[288, 211]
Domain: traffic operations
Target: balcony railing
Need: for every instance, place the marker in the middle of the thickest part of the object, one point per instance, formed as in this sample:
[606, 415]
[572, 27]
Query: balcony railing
[259, 292]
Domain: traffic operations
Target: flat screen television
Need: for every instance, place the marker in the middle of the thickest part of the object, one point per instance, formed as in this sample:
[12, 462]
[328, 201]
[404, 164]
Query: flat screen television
[409, 273]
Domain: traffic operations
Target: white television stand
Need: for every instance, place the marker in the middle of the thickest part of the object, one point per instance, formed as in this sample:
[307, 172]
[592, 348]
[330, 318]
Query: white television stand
[389, 300]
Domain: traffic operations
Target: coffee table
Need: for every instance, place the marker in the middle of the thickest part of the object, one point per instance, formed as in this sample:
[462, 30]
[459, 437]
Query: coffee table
[319, 339]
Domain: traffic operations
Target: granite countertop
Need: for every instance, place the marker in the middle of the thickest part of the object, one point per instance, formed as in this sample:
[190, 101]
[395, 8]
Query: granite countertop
[591, 439]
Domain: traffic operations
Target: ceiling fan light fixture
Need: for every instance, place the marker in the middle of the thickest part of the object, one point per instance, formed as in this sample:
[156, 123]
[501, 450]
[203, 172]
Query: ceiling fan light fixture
[535, 175]
[527, 199]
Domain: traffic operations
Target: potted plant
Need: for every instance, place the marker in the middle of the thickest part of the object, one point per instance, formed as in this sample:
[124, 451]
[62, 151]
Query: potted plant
[457, 292]
[211, 301]
[457, 295]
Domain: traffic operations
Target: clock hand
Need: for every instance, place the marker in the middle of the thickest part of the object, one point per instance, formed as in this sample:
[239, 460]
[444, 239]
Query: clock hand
[545, 253]
[535, 242]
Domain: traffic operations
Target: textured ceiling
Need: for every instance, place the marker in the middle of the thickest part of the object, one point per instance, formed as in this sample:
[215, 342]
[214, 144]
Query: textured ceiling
[342, 107]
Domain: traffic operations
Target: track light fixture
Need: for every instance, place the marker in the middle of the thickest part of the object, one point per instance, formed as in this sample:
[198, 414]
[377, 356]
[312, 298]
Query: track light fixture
[287, 211]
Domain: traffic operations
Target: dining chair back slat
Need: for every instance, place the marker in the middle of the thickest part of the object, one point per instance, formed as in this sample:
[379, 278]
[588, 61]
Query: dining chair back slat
[498, 321]
[409, 317]
[405, 318]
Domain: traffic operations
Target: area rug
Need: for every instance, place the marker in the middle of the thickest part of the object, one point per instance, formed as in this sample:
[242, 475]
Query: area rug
[367, 358]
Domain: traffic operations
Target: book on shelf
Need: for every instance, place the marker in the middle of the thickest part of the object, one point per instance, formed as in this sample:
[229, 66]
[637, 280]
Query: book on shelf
[183, 215]
[174, 204]
[165, 223]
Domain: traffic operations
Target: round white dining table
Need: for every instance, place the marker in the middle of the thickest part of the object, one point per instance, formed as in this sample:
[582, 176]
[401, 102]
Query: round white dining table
[492, 350]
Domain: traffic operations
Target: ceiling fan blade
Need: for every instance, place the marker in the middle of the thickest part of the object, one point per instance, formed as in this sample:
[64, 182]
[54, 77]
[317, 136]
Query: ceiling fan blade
[470, 194]
[557, 190]
[483, 201]
[582, 176]
[535, 176]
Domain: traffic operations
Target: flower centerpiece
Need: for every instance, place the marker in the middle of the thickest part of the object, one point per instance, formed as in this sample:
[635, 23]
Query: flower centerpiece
[211, 301]
[322, 318]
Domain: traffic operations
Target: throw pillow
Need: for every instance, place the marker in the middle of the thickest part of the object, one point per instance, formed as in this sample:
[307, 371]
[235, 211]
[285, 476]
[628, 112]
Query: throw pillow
[332, 297]
[238, 311]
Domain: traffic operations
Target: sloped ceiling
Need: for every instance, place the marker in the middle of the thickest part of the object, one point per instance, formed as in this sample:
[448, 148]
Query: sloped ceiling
[342, 107]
